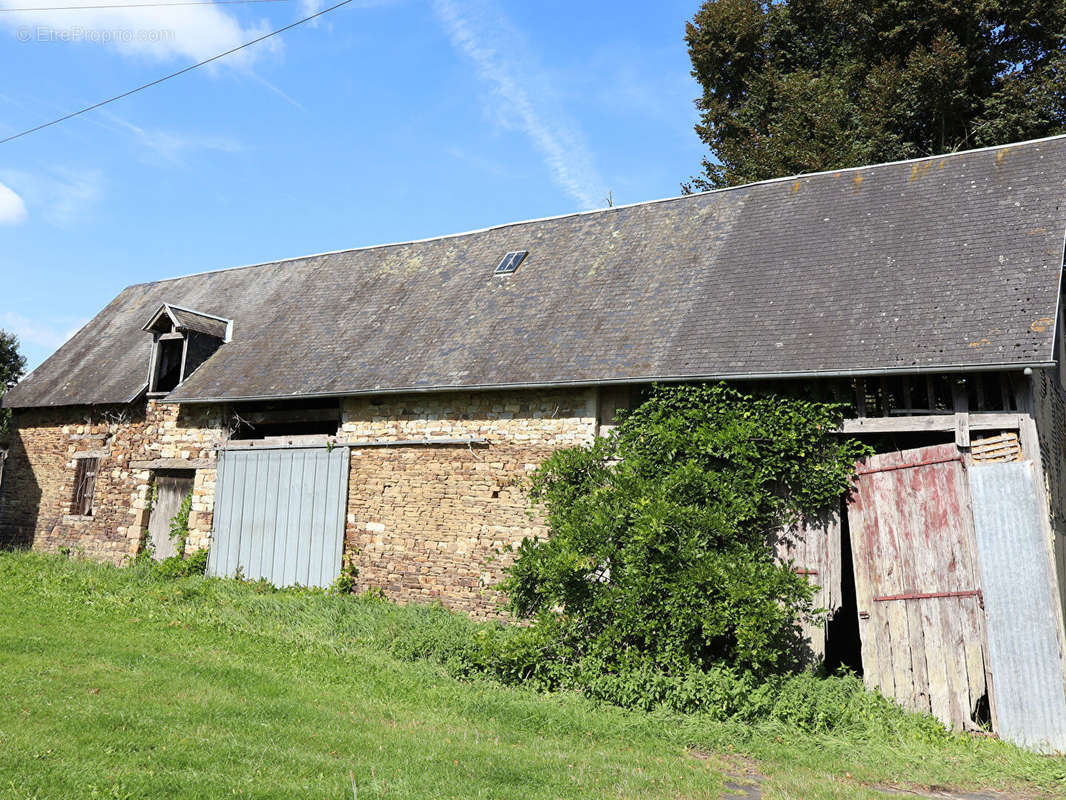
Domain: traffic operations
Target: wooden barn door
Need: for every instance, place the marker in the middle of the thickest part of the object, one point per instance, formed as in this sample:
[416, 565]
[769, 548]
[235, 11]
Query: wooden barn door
[917, 583]
[170, 492]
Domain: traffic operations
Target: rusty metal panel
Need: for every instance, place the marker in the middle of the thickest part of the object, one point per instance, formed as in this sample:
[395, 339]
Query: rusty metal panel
[920, 618]
[1024, 644]
[279, 515]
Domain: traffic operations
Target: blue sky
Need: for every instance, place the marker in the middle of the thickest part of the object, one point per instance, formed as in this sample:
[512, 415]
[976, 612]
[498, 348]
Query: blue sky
[382, 121]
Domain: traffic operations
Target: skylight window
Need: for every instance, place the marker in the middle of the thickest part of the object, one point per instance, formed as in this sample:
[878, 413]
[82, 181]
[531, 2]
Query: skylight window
[511, 261]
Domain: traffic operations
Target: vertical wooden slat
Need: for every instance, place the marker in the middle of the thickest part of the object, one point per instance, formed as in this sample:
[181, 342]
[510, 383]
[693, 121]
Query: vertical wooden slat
[252, 488]
[239, 486]
[278, 562]
[270, 515]
[297, 501]
[212, 551]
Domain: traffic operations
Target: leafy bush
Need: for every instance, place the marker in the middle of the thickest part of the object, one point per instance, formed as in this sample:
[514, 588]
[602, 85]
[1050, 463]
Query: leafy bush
[180, 567]
[659, 555]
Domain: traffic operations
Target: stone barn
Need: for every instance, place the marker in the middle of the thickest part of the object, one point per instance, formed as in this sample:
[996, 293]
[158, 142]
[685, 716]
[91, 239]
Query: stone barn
[377, 410]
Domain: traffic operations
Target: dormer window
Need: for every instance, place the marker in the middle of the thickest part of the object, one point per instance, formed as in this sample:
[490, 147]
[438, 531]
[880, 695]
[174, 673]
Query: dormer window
[183, 339]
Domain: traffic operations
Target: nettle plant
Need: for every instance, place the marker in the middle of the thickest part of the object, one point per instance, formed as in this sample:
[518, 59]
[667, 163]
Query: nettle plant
[660, 551]
[179, 525]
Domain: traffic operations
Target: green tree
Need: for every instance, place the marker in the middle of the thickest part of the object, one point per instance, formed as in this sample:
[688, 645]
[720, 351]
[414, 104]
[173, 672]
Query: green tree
[12, 367]
[659, 554]
[808, 85]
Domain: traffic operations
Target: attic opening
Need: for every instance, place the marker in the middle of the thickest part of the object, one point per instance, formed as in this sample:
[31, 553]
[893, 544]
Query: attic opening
[271, 420]
[182, 340]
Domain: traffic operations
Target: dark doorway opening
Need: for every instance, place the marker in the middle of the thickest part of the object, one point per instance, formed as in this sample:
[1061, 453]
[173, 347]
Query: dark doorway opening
[843, 647]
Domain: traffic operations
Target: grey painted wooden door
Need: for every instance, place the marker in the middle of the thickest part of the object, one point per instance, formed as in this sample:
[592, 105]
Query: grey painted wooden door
[170, 491]
[279, 515]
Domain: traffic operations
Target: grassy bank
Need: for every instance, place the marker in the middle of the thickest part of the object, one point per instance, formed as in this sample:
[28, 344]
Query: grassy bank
[119, 684]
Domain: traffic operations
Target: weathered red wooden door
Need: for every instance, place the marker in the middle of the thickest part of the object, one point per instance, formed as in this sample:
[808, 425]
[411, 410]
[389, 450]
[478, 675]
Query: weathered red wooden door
[916, 582]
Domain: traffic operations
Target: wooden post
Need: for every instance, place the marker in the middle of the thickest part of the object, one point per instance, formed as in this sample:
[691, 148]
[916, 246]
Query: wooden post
[961, 401]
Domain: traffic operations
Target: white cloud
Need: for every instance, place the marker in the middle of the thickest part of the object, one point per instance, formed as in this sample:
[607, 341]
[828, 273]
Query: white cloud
[166, 145]
[189, 33]
[45, 334]
[12, 208]
[515, 83]
[64, 196]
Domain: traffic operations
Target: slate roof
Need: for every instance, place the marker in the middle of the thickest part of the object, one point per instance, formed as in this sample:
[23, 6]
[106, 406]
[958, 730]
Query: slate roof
[191, 321]
[947, 262]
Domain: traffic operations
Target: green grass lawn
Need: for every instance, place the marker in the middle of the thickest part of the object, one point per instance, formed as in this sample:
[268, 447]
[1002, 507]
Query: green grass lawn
[117, 684]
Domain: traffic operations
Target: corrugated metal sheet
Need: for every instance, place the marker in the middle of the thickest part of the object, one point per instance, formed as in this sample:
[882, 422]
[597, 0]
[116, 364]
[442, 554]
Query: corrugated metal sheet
[279, 515]
[1023, 640]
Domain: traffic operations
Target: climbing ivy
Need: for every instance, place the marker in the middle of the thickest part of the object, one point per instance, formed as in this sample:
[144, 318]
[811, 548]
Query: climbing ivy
[659, 554]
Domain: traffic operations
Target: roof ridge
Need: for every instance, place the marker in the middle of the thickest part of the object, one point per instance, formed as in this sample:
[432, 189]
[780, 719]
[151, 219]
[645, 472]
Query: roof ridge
[674, 198]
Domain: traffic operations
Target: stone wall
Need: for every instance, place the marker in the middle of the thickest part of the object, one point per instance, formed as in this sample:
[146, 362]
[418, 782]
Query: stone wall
[424, 522]
[38, 489]
[432, 522]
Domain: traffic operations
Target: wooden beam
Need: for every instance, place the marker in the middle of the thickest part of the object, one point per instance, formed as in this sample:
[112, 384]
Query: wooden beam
[174, 463]
[932, 422]
[288, 442]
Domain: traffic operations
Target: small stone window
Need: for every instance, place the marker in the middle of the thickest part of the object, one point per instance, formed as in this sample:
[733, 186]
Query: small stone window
[84, 486]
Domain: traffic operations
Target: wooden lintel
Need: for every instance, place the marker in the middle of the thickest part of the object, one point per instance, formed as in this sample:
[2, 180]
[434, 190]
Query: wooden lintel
[282, 442]
[294, 442]
[416, 442]
[174, 463]
[931, 422]
[91, 454]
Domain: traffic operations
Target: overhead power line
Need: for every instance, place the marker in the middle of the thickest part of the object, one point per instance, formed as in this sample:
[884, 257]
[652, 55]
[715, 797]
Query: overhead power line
[158, 81]
[140, 5]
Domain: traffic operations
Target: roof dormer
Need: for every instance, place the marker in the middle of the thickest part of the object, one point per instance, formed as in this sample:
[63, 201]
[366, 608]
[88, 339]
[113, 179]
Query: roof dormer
[182, 340]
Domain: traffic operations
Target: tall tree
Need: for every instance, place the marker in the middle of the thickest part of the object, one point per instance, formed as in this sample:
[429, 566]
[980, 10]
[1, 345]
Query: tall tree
[807, 85]
[12, 366]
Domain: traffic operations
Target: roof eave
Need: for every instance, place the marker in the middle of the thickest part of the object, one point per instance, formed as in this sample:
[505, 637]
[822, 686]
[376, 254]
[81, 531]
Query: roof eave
[738, 376]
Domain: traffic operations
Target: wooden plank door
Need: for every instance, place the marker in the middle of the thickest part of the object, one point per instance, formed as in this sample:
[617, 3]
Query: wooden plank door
[813, 548]
[921, 619]
[170, 491]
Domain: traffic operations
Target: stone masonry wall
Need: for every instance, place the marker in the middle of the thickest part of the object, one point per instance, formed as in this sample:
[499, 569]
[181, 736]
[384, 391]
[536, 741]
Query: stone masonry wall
[38, 489]
[424, 522]
[431, 522]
